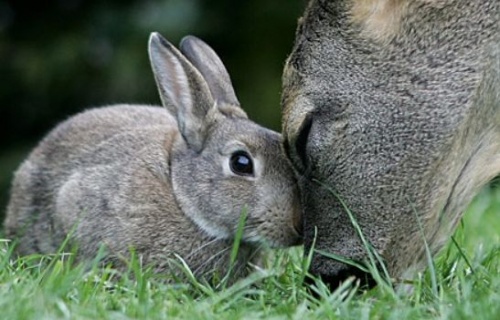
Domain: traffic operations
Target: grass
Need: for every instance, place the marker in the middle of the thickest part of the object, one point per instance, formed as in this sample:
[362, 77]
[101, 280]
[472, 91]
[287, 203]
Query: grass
[467, 276]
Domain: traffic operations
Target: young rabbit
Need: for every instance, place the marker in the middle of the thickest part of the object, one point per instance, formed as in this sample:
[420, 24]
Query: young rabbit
[163, 181]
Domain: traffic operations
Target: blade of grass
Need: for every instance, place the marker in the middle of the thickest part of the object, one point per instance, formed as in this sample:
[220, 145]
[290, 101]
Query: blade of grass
[239, 235]
[306, 261]
[373, 256]
[236, 246]
[343, 260]
[462, 254]
[428, 254]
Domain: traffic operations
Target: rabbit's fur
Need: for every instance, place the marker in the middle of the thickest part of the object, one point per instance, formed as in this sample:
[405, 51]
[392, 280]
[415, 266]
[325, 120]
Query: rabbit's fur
[159, 180]
[393, 106]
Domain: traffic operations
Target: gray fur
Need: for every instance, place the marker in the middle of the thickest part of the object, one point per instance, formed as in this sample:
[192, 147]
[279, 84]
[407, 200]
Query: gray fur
[403, 129]
[142, 177]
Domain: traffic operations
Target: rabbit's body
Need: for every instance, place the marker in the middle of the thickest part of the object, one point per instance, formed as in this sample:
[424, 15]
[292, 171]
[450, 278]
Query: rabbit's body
[126, 177]
[112, 188]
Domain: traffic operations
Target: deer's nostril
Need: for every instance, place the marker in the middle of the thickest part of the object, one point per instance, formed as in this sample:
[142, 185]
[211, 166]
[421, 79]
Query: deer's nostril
[334, 280]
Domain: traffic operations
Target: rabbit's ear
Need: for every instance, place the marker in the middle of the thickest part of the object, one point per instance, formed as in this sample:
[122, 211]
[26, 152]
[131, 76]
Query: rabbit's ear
[204, 58]
[183, 90]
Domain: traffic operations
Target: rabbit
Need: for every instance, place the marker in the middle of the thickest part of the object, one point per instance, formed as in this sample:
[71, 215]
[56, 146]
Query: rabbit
[392, 107]
[165, 182]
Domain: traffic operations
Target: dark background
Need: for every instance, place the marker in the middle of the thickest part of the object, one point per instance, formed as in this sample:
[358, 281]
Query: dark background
[60, 57]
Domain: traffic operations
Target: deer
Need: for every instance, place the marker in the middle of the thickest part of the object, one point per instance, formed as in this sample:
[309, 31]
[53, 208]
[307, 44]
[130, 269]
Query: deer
[391, 119]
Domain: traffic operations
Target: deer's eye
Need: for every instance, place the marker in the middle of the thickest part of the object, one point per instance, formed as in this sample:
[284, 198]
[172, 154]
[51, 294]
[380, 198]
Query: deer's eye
[301, 142]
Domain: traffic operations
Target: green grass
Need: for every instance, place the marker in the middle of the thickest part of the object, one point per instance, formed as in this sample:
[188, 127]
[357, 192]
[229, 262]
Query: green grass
[467, 279]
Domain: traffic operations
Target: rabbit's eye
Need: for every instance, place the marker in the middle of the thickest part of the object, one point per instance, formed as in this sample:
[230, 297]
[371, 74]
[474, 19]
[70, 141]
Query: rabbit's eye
[241, 163]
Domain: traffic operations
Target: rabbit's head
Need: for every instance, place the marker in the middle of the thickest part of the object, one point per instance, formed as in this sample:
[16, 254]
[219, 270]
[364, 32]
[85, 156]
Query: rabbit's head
[223, 164]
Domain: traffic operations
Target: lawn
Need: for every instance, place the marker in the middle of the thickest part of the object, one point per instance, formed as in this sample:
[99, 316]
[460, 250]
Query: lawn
[467, 273]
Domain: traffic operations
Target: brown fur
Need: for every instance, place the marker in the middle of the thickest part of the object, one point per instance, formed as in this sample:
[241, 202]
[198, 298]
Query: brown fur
[379, 19]
[405, 132]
